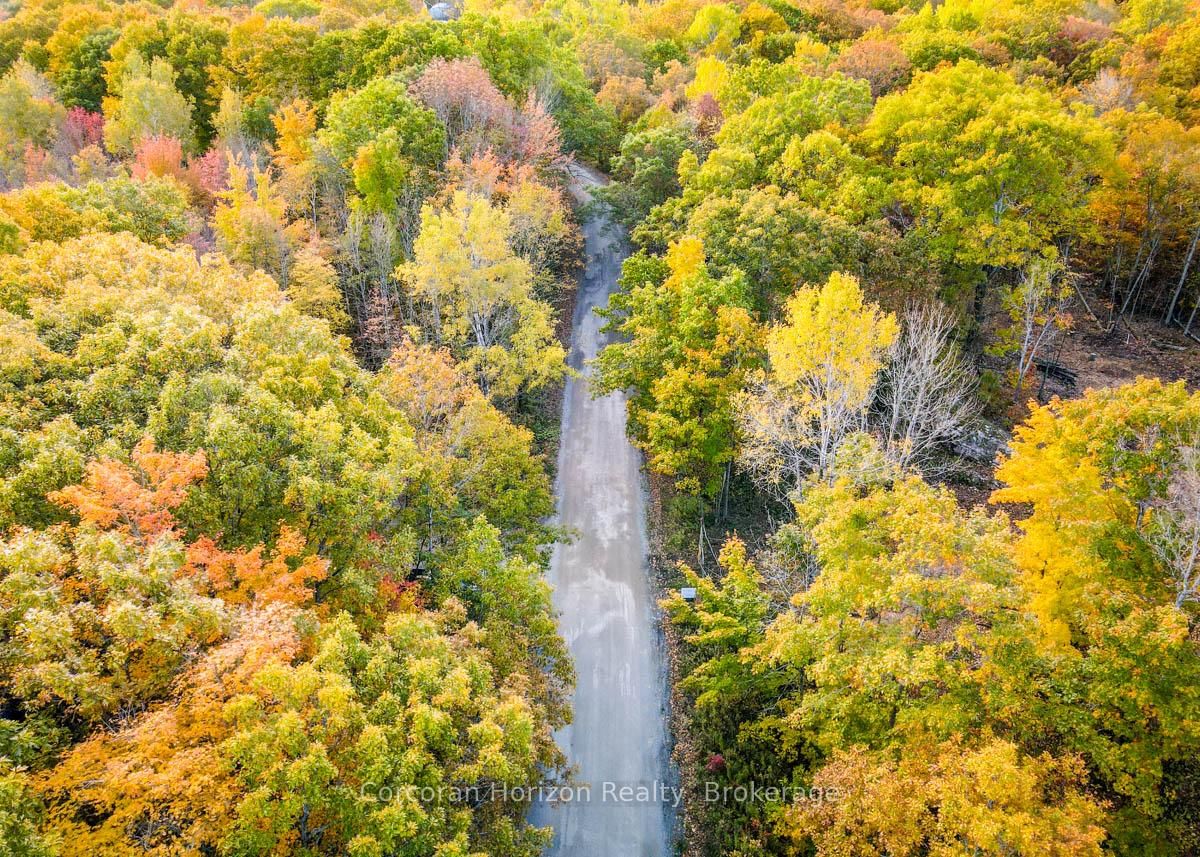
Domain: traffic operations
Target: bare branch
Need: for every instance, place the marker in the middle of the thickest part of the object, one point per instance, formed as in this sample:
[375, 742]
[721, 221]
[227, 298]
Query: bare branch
[926, 395]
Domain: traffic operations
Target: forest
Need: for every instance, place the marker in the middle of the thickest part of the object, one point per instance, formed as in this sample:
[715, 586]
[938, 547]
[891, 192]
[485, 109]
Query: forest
[907, 337]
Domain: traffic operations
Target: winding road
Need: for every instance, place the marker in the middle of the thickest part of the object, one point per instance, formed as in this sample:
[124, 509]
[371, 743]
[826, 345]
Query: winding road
[617, 744]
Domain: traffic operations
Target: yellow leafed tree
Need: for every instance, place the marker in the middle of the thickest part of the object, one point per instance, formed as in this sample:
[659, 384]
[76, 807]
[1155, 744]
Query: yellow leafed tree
[479, 298]
[1092, 469]
[824, 362]
[950, 800]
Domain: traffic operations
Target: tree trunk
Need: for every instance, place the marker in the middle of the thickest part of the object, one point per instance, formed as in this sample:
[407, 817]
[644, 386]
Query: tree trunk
[1187, 264]
[723, 497]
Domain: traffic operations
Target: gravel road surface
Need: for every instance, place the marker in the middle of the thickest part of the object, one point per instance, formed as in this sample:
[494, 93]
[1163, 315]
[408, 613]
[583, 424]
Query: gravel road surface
[617, 744]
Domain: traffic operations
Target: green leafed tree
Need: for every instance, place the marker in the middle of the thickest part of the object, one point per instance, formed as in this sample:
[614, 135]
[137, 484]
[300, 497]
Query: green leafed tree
[145, 103]
[689, 340]
[992, 169]
[357, 118]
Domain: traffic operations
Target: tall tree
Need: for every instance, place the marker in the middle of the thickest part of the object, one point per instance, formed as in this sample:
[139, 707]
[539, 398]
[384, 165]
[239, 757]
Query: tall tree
[690, 342]
[478, 299]
[993, 169]
[823, 364]
[144, 102]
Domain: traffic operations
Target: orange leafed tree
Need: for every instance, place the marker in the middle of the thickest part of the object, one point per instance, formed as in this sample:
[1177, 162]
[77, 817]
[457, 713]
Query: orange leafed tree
[160, 785]
[239, 577]
[137, 500]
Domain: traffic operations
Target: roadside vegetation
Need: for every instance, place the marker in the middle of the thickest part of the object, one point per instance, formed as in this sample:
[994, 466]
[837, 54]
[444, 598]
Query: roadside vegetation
[881, 251]
[282, 297]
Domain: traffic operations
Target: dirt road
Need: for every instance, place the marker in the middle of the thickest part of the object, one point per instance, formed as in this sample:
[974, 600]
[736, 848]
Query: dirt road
[617, 743]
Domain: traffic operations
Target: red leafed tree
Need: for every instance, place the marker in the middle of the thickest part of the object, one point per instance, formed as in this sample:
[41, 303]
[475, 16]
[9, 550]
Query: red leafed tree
[82, 128]
[210, 172]
[478, 118]
[1082, 30]
[708, 115]
[475, 113]
[159, 155]
[879, 62]
[539, 140]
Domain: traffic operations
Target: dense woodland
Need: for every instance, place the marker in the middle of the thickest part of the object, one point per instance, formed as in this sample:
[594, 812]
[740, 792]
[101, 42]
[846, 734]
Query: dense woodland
[860, 231]
[282, 303]
[278, 301]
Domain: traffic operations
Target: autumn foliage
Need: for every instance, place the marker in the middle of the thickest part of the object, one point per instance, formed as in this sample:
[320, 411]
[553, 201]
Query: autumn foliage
[283, 290]
[137, 500]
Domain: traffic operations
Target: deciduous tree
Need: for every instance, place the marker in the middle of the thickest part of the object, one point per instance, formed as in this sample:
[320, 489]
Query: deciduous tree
[144, 102]
[823, 365]
[478, 296]
[927, 396]
[995, 170]
[691, 341]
